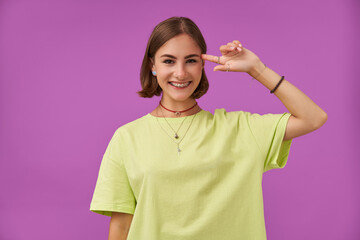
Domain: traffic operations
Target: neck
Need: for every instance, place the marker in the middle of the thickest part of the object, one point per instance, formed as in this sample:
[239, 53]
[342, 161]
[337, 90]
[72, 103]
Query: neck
[178, 105]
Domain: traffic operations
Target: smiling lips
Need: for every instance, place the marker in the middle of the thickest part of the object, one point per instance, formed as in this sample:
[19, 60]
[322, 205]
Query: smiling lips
[180, 85]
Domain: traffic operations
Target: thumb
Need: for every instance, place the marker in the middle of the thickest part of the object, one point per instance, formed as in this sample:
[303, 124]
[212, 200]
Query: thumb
[220, 68]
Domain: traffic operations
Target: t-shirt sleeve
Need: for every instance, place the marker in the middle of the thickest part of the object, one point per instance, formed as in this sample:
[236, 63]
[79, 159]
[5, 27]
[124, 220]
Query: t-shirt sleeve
[268, 131]
[113, 192]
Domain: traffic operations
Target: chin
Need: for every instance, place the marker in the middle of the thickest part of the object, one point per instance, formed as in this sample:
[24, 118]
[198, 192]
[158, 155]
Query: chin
[180, 97]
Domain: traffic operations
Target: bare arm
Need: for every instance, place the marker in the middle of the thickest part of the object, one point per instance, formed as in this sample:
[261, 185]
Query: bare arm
[306, 117]
[119, 225]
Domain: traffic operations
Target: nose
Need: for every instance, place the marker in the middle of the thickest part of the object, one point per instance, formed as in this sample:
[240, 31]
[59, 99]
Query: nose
[180, 71]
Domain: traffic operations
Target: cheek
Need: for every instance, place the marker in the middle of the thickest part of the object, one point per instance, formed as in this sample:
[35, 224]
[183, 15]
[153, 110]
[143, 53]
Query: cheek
[197, 70]
[163, 72]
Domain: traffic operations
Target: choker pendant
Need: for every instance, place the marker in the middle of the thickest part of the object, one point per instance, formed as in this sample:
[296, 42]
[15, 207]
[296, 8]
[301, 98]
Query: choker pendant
[177, 114]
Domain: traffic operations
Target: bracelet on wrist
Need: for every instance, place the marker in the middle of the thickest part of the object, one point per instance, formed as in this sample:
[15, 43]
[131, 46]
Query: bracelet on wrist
[277, 85]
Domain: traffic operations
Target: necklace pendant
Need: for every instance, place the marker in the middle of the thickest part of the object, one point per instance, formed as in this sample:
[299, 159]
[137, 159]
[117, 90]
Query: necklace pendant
[176, 136]
[178, 114]
[179, 150]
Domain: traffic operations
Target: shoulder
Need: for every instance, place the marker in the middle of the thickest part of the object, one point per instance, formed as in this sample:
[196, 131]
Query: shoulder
[228, 119]
[221, 113]
[135, 125]
[248, 118]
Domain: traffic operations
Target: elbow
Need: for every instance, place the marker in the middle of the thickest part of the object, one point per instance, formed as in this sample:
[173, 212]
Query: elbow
[321, 120]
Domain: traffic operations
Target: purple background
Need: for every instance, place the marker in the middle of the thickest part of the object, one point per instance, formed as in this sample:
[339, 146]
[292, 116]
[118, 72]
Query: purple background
[69, 73]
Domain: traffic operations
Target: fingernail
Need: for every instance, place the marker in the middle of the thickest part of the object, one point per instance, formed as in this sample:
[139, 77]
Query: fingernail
[240, 45]
[232, 48]
[239, 49]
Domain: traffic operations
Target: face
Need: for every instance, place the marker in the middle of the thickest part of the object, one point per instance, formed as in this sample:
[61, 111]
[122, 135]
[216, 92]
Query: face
[178, 62]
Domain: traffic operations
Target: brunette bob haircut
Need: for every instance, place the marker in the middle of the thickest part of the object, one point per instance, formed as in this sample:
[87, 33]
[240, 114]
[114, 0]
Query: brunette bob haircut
[163, 32]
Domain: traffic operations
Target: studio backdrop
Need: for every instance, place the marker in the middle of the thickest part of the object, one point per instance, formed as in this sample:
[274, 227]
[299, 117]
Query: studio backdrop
[69, 73]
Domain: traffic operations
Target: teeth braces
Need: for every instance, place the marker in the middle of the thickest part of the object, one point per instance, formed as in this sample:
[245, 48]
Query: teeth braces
[179, 85]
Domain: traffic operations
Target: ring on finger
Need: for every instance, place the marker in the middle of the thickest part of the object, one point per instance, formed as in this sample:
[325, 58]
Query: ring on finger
[218, 60]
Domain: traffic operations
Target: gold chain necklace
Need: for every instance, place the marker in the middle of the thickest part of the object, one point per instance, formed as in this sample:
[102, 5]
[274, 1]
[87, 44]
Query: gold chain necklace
[176, 132]
[177, 143]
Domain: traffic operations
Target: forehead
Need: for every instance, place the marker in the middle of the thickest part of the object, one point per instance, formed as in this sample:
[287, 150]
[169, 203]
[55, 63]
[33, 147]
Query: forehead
[180, 45]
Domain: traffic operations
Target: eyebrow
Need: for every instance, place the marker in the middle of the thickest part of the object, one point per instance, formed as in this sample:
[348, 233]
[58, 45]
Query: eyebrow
[171, 56]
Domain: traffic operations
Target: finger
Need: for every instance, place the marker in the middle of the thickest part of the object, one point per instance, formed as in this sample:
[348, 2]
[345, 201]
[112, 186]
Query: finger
[222, 68]
[225, 49]
[232, 46]
[237, 43]
[210, 58]
[237, 47]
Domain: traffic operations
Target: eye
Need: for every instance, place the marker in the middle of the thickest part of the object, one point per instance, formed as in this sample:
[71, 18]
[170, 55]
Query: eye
[191, 61]
[168, 61]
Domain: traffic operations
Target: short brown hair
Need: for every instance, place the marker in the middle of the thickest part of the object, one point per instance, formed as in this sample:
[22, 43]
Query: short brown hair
[163, 32]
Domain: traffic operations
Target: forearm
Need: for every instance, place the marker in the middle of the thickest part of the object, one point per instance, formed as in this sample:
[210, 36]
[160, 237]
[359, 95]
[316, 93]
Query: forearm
[117, 233]
[296, 102]
[119, 226]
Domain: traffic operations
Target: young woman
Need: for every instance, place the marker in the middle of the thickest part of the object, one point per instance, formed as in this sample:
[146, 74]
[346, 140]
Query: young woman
[181, 172]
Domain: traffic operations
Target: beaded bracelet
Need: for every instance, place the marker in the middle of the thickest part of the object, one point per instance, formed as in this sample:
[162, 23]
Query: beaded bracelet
[277, 85]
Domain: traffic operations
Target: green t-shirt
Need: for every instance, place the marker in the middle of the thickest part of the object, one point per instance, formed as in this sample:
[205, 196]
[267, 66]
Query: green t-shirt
[211, 190]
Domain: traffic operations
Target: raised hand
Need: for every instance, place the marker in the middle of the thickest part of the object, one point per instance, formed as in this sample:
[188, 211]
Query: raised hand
[235, 58]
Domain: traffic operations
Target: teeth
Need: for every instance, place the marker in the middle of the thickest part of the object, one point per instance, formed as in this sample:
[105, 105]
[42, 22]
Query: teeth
[180, 85]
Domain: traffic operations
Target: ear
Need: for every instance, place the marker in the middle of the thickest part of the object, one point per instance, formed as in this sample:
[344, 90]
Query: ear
[152, 63]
